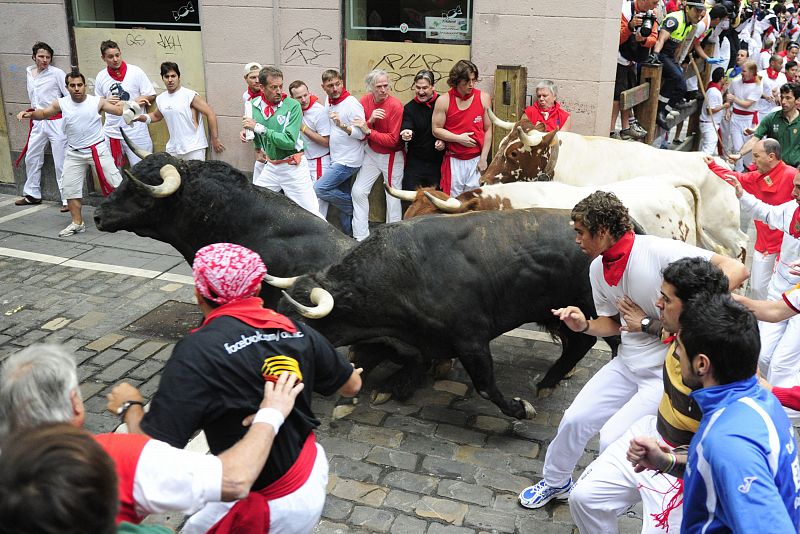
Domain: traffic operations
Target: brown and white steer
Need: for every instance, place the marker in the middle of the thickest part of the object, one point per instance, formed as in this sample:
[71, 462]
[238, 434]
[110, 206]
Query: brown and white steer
[527, 155]
[665, 206]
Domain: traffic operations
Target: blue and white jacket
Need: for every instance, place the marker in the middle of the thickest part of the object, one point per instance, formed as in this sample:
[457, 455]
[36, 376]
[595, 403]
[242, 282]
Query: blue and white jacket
[742, 474]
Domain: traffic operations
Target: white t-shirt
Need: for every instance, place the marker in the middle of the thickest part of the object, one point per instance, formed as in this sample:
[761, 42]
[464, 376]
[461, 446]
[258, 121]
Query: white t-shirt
[641, 282]
[347, 149]
[82, 124]
[767, 86]
[316, 118]
[713, 100]
[185, 135]
[746, 91]
[135, 84]
[47, 87]
[172, 479]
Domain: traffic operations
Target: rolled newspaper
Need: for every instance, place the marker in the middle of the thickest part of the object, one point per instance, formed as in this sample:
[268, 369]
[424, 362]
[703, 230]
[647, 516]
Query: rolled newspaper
[248, 114]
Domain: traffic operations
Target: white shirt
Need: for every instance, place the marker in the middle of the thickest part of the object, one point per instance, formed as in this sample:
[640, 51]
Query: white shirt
[82, 124]
[317, 119]
[47, 87]
[135, 84]
[746, 91]
[792, 298]
[641, 281]
[347, 149]
[777, 217]
[713, 100]
[767, 85]
[185, 135]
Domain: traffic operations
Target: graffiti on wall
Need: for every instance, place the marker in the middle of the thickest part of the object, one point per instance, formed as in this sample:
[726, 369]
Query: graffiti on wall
[306, 47]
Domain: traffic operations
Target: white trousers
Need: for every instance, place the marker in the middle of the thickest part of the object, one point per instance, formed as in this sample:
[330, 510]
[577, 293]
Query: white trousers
[465, 175]
[760, 274]
[609, 485]
[375, 165]
[194, 155]
[738, 138]
[297, 513]
[258, 166]
[708, 139]
[780, 355]
[316, 168]
[293, 181]
[75, 165]
[610, 402]
[44, 132]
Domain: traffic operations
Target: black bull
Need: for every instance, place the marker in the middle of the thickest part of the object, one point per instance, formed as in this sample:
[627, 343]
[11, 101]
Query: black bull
[437, 286]
[215, 203]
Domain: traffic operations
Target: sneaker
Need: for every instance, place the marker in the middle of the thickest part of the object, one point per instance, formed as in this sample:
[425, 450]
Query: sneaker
[540, 494]
[614, 135]
[28, 200]
[72, 229]
[637, 132]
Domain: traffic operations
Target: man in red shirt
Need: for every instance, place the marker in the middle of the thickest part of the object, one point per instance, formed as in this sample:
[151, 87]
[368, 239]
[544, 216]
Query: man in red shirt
[383, 153]
[547, 110]
[771, 182]
[460, 119]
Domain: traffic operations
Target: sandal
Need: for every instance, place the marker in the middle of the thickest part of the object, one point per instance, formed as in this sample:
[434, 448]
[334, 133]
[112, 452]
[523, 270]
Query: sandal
[64, 209]
[28, 200]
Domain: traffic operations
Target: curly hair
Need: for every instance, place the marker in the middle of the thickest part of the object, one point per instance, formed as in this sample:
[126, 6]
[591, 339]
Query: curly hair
[461, 71]
[602, 210]
[694, 276]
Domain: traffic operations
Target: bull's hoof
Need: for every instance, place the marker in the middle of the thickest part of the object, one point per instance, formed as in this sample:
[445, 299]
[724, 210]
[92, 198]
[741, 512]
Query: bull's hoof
[343, 410]
[543, 393]
[571, 373]
[442, 367]
[380, 397]
[530, 411]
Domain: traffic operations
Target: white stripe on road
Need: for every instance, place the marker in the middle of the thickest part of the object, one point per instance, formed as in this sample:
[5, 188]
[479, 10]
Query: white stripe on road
[7, 202]
[22, 213]
[93, 266]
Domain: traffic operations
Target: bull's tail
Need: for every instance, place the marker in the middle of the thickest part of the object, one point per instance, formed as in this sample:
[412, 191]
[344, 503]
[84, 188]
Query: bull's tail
[703, 239]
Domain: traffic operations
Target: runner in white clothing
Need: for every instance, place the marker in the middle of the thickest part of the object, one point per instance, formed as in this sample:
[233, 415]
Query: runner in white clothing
[253, 90]
[316, 133]
[182, 109]
[772, 79]
[127, 82]
[86, 144]
[625, 268]
[709, 129]
[743, 95]
[45, 84]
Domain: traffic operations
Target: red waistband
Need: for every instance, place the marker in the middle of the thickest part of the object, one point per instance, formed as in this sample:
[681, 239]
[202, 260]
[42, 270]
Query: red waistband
[294, 159]
[737, 111]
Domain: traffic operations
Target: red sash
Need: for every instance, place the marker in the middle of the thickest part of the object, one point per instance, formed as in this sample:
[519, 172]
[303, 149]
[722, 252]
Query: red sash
[117, 152]
[105, 187]
[125, 450]
[446, 182]
[28, 139]
[737, 111]
[615, 259]
[251, 514]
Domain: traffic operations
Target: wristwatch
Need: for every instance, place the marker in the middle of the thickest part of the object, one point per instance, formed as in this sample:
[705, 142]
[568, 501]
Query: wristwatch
[123, 409]
[645, 324]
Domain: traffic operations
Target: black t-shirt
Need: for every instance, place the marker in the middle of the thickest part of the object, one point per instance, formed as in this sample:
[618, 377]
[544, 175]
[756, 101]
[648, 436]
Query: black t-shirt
[422, 155]
[215, 378]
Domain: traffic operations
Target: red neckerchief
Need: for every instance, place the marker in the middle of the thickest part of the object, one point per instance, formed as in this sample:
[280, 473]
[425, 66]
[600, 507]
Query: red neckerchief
[716, 85]
[794, 224]
[334, 101]
[751, 81]
[765, 50]
[251, 311]
[615, 259]
[253, 94]
[772, 74]
[120, 74]
[428, 102]
[455, 92]
[270, 109]
[311, 100]
[669, 339]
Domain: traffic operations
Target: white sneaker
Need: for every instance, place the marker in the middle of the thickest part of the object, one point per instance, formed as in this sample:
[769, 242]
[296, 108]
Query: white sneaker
[72, 229]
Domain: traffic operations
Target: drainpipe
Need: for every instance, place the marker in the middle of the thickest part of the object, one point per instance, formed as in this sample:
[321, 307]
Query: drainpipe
[276, 34]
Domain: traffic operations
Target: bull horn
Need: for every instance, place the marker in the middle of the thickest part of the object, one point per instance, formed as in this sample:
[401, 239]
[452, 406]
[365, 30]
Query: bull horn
[172, 181]
[500, 123]
[451, 205]
[135, 149]
[408, 196]
[531, 139]
[323, 304]
[277, 281]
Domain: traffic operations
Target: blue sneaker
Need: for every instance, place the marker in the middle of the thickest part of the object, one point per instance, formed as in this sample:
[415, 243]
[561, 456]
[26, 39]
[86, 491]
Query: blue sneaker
[540, 494]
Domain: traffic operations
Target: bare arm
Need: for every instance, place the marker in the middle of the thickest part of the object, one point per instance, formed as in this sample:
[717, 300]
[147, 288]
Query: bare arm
[323, 140]
[663, 35]
[40, 114]
[353, 384]
[735, 270]
[573, 317]
[155, 116]
[112, 107]
[486, 100]
[199, 103]
[437, 125]
[242, 463]
[771, 311]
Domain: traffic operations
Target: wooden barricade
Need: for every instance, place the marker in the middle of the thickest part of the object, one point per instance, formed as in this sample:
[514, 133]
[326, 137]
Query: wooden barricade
[510, 87]
[644, 99]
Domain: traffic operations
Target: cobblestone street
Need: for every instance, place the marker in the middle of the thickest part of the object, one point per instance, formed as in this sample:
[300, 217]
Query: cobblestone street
[444, 462]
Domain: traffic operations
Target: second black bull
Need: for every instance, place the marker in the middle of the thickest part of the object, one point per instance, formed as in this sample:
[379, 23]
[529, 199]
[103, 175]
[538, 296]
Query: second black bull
[446, 286]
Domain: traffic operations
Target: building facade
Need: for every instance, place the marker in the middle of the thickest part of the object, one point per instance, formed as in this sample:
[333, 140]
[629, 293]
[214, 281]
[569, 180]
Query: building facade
[570, 42]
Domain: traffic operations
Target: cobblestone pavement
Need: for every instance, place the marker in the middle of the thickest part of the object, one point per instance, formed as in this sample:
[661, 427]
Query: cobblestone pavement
[446, 461]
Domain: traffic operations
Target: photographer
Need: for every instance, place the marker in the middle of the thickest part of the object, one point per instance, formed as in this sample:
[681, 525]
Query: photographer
[638, 32]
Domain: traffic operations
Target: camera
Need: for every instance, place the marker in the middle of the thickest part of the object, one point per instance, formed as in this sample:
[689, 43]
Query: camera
[648, 19]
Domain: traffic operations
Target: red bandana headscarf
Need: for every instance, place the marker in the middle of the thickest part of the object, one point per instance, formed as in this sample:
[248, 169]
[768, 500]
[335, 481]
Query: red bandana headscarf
[230, 275]
[615, 259]
[120, 74]
[334, 101]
